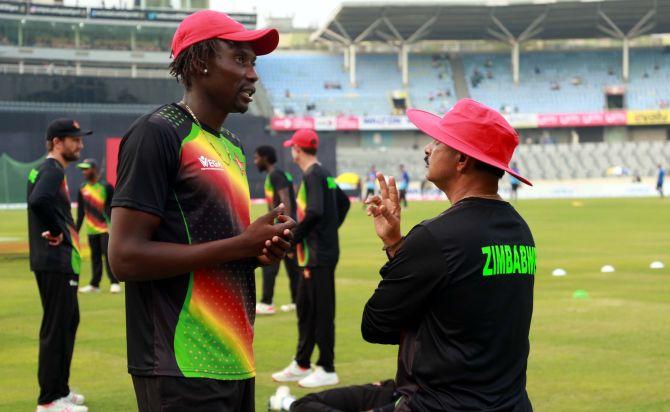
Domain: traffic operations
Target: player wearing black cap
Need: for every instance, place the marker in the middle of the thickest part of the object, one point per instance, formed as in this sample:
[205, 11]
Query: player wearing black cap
[54, 257]
[94, 201]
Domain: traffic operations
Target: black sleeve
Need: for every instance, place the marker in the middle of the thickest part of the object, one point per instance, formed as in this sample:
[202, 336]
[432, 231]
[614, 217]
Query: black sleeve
[407, 281]
[108, 200]
[148, 163]
[43, 198]
[80, 210]
[314, 211]
[343, 205]
[278, 180]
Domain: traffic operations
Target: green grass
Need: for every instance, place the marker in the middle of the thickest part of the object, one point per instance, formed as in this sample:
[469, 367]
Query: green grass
[606, 353]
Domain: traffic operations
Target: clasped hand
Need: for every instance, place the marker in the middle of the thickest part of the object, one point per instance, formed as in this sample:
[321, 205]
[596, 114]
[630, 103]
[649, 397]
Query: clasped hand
[269, 237]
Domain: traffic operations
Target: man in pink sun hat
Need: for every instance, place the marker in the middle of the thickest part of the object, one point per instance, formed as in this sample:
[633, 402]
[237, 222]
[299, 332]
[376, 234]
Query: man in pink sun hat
[457, 291]
[181, 236]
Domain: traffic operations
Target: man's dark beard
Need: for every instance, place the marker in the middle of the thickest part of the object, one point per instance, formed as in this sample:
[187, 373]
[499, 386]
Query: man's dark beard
[70, 157]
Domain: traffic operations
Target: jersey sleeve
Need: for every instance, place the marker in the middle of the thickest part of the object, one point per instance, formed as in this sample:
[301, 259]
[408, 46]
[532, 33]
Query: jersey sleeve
[315, 194]
[42, 199]
[314, 210]
[148, 164]
[407, 283]
[80, 210]
[108, 200]
[278, 180]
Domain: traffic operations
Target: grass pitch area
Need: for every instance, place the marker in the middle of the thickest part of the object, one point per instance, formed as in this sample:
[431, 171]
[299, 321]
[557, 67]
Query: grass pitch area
[606, 353]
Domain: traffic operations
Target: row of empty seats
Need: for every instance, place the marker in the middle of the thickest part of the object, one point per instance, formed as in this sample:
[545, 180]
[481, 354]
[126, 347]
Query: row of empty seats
[295, 81]
[537, 162]
[313, 83]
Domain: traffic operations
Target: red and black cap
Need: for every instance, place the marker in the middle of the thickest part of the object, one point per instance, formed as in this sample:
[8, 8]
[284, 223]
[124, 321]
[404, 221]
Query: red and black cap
[65, 128]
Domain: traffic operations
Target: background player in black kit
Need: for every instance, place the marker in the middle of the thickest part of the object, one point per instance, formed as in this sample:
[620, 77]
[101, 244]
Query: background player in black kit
[322, 207]
[278, 189]
[94, 201]
[55, 259]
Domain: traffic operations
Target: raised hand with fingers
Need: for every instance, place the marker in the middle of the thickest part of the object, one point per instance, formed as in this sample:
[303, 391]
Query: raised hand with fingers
[385, 209]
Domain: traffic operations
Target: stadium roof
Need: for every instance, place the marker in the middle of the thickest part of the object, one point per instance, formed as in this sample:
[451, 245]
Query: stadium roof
[506, 20]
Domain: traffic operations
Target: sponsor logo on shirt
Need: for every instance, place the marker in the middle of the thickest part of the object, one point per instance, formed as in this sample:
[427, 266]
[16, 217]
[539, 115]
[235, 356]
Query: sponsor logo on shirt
[209, 164]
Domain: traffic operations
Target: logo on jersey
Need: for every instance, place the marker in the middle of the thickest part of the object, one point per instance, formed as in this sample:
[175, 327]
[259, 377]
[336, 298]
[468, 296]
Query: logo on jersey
[209, 164]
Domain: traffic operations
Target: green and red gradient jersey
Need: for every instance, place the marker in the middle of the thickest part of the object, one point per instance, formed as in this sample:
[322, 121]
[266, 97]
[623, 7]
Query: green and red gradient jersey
[49, 209]
[197, 324]
[275, 181]
[93, 207]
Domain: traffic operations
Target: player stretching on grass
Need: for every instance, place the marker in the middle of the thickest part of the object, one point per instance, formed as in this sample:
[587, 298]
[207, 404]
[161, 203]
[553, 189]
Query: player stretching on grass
[181, 233]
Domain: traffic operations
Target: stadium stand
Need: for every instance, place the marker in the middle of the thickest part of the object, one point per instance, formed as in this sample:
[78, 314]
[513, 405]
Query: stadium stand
[310, 83]
[550, 82]
[550, 161]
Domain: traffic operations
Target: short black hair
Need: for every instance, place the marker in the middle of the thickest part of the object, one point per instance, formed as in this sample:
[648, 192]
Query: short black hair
[484, 167]
[193, 60]
[309, 150]
[268, 152]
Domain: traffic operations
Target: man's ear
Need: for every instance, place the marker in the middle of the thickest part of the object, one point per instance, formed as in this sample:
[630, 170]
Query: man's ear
[465, 162]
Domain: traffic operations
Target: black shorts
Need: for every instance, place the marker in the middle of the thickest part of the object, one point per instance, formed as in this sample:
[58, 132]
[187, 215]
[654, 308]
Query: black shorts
[175, 394]
[515, 186]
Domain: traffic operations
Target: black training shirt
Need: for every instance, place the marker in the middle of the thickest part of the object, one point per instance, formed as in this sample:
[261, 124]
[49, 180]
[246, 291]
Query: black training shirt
[322, 207]
[458, 298]
[49, 209]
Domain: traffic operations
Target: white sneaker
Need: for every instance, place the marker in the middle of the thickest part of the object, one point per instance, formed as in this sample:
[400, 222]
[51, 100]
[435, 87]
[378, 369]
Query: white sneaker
[281, 400]
[265, 309]
[89, 289]
[75, 398]
[61, 405]
[319, 378]
[115, 288]
[291, 373]
[289, 307]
